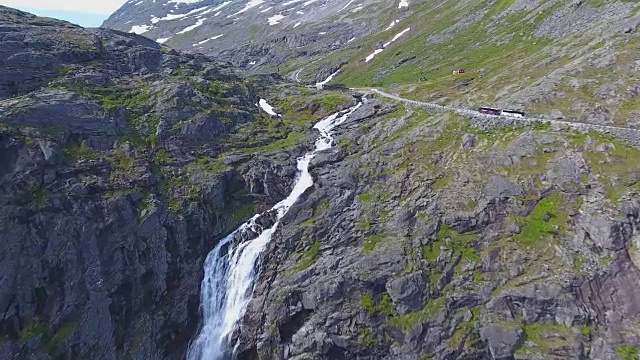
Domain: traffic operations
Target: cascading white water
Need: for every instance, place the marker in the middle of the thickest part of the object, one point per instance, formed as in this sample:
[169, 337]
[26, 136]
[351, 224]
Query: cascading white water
[231, 269]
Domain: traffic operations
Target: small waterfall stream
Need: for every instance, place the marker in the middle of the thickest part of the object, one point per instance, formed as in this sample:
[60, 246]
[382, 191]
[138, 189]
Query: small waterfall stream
[231, 269]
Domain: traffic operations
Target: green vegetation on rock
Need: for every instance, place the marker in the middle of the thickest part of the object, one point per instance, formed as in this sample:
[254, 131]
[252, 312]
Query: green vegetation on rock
[32, 330]
[547, 220]
[309, 257]
[74, 152]
[372, 241]
[628, 352]
[59, 337]
[384, 306]
[366, 337]
[207, 164]
[546, 337]
[465, 333]
[121, 161]
[459, 243]
[613, 162]
[41, 197]
[406, 322]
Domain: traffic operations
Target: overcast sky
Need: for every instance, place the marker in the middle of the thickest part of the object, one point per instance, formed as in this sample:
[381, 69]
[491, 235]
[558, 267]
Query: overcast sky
[83, 12]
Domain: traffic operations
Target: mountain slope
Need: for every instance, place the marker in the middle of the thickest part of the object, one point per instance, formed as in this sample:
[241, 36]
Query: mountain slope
[122, 164]
[556, 58]
[562, 59]
[256, 34]
[426, 234]
[435, 236]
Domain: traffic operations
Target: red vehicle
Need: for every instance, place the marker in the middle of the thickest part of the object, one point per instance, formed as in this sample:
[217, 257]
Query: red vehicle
[490, 111]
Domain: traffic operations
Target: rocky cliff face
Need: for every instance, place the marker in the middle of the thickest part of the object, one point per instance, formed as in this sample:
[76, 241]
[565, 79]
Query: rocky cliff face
[432, 236]
[425, 236]
[122, 162]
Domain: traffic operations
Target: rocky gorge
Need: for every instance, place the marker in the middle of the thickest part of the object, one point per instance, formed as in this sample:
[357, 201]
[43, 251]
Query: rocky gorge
[123, 163]
[425, 234]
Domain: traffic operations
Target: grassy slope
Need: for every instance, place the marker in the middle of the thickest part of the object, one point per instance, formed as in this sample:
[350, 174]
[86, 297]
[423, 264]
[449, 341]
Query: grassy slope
[511, 62]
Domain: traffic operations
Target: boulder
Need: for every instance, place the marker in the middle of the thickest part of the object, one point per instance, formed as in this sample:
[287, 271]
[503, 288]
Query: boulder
[408, 292]
[502, 339]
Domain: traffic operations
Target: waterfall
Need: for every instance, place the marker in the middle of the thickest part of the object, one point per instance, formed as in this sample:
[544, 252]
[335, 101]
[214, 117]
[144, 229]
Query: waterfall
[231, 269]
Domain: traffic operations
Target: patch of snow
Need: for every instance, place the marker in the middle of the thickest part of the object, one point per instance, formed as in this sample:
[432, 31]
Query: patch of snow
[219, 7]
[292, 2]
[393, 23]
[373, 54]
[206, 40]
[350, 40]
[183, 1]
[378, 51]
[267, 108]
[138, 3]
[189, 28]
[308, 2]
[140, 29]
[162, 40]
[251, 4]
[346, 6]
[252, 63]
[398, 35]
[218, 13]
[322, 83]
[300, 12]
[403, 3]
[322, 33]
[206, 12]
[267, 9]
[275, 19]
[155, 20]
[296, 25]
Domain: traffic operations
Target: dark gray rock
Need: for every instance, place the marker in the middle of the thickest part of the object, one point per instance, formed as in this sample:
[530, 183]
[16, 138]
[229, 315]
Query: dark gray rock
[408, 292]
[331, 156]
[469, 141]
[502, 339]
[500, 187]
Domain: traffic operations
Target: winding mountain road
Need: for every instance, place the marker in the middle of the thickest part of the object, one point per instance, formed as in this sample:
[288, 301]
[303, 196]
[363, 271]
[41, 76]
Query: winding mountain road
[526, 120]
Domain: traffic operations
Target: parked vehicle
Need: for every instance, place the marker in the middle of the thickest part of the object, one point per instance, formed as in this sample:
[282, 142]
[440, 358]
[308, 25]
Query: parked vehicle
[513, 113]
[501, 112]
[490, 111]
[459, 71]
